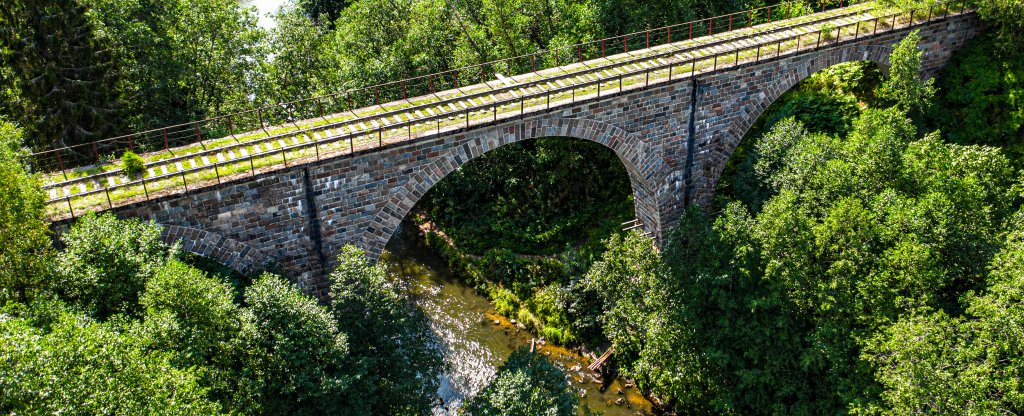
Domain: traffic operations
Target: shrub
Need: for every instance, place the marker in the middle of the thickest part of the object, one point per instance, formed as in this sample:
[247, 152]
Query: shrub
[133, 164]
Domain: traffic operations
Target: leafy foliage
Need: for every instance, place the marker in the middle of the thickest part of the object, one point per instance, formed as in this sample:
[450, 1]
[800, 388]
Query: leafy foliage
[24, 240]
[389, 337]
[294, 359]
[76, 365]
[526, 385]
[106, 262]
[533, 197]
[981, 99]
[904, 87]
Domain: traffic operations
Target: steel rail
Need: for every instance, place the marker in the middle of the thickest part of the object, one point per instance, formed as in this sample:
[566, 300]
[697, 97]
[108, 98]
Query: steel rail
[495, 105]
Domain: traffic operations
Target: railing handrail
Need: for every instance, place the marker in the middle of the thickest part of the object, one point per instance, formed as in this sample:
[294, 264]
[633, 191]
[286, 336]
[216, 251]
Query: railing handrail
[438, 74]
[440, 102]
[351, 135]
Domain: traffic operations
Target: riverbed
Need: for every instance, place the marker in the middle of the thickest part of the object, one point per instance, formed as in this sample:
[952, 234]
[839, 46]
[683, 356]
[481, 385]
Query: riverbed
[474, 346]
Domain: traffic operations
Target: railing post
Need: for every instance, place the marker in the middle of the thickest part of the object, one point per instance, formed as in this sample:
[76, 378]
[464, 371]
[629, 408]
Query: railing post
[647, 78]
[380, 137]
[252, 166]
[750, 19]
[819, 41]
[693, 67]
[533, 63]
[183, 182]
[599, 88]
[146, 191]
[620, 82]
[60, 162]
[736, 59]
[691, 30]
[579, 51]
[431, 78]
[405, 92]
[351, 144]
[522, 105]
[875, 30]
[715, 66]
[166, 144]
[930, 9]
[316, 145]
[456, 79]
[110, 204]
[284, 157]
[648, 38]
[669, 34]
[911, 22]
[856, 33]
[376, 95]
[758, 60]
[467, 118]
[231, 127]
[625, 44]
[711, 26]
[95, 152]
[259, 114]
[131, 145]
[602, 48]
[769, 14]
[730, 24]
[71, 208]
[199, 134]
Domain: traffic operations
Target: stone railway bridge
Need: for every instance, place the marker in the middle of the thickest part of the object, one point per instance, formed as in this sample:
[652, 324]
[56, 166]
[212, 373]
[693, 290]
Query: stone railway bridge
[673, 138]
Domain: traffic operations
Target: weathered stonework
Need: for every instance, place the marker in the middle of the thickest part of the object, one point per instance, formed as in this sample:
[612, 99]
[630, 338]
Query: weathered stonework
[362, 198]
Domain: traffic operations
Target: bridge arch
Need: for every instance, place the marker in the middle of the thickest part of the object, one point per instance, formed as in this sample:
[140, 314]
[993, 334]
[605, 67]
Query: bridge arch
[234, 254]
[767, 83]
[640, 159]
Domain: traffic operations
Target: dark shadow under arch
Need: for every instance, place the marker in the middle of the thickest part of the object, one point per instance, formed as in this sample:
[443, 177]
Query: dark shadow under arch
[641, 164]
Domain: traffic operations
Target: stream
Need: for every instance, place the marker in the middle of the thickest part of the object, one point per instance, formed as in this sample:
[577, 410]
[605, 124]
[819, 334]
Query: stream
[474, 346]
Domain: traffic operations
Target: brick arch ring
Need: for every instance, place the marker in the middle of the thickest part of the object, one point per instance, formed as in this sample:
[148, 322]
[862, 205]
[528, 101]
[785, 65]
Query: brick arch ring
[236, 255]
[642, 162]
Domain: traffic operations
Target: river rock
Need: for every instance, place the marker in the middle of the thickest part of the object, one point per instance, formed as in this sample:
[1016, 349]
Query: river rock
[513, 321]
[619, 391]
[576, 368]
[497, 322]
[620, 401]
[628, 385]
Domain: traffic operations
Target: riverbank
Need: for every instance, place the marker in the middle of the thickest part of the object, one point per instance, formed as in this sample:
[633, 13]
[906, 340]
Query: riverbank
[474, 345]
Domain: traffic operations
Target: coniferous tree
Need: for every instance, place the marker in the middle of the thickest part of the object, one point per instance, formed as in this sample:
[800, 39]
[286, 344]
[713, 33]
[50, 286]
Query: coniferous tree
[64, 75]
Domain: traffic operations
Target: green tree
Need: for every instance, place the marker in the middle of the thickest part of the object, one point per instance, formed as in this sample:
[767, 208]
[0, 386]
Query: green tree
[294, 360]
[525, 385]
[193, 315]
[389, 336]
[77, 366]
[905, 89]
[304, 62]
[64, 74]
[24, 236]
[106, 263]
[934, 363]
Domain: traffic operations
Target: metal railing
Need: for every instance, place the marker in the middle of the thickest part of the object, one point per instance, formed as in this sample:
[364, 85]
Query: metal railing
[261, 118]
[318, 147]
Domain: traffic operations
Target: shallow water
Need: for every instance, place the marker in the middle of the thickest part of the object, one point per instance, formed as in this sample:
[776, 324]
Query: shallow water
[474, 346]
